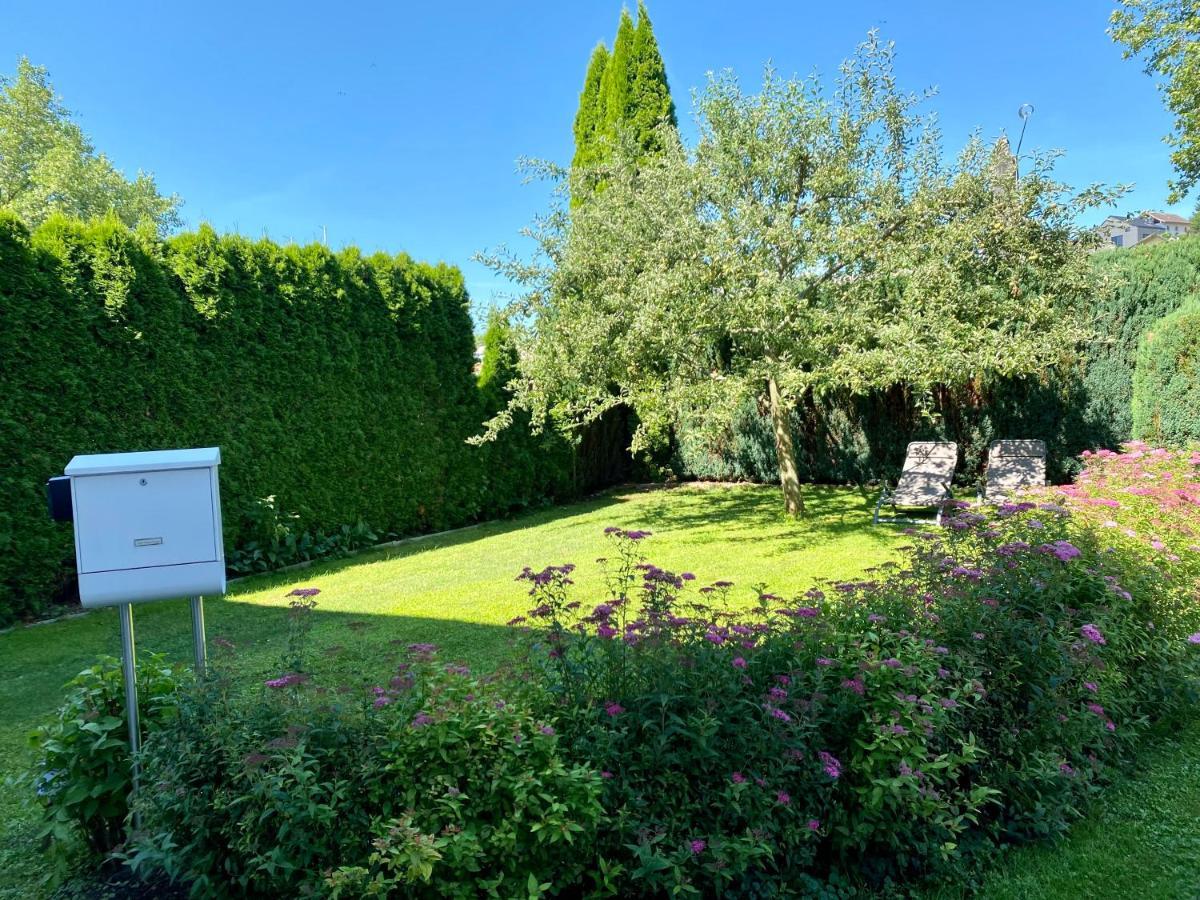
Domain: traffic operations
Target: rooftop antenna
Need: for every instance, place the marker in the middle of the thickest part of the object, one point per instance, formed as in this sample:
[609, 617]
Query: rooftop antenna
[1024, 112]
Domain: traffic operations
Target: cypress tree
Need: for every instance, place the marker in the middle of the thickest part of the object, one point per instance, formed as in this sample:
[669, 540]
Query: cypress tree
[590, 116]
[616, 87]
[626, 88]
[651, 102]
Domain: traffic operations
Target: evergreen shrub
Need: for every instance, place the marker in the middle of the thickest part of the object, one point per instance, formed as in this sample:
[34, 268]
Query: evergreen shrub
[1166, 382]
[338, 386]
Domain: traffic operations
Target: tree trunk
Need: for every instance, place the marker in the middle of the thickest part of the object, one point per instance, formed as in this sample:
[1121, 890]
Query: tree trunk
[785, 451]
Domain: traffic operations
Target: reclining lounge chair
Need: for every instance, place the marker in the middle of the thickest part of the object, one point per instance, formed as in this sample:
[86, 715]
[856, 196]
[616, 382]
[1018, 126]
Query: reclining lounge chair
[1011, 466]
[924, 482]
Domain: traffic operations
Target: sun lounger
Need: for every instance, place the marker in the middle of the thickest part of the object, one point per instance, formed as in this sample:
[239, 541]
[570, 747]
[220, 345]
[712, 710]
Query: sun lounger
[924, 481]
[1013, 465]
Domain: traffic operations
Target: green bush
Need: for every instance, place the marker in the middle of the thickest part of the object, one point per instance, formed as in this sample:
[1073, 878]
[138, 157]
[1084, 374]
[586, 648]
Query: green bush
[1166, 382]
[873, 732]
[428, 783]
[82, 772]
[338, 387]
[1141, 286]
[844, 439]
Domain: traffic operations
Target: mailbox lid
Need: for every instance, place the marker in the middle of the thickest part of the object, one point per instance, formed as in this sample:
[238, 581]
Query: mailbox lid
[144, 461]
[138, 520]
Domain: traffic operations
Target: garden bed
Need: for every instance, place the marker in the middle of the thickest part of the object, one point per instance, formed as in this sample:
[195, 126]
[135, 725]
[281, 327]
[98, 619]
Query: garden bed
[654, 736]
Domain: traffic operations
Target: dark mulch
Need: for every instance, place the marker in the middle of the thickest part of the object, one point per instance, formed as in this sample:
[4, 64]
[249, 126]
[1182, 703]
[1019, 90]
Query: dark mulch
[119, 883]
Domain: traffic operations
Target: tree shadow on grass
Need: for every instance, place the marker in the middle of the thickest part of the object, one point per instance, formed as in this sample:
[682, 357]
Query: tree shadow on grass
[42, 662]
[36, 662]
[752, 513]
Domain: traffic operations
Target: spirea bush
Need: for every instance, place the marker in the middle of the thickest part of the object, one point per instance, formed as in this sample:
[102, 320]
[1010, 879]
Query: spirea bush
[427, 783]
[1146, 502]
[978, 691]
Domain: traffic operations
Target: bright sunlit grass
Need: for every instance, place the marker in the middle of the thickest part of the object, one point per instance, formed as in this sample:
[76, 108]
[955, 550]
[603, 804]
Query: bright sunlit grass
[456, 590]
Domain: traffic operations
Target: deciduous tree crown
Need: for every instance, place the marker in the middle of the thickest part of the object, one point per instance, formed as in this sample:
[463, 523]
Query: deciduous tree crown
[814, 239]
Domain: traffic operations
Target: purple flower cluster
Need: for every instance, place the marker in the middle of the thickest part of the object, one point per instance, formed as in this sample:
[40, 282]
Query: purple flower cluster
[289, 680]
[547, 576]
[831, 765]
[627, 534]
[1063, 550]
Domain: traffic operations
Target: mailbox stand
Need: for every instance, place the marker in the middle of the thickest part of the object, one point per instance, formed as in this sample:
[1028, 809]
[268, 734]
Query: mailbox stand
[129, 669]
[199, 643]
[147, 527]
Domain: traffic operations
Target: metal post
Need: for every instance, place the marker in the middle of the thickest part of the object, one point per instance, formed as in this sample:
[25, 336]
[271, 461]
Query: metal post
[199, 643]
[129, 667]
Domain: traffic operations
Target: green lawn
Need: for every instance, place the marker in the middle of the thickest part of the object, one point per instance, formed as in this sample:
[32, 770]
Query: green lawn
[458, 590]
[1142, 840]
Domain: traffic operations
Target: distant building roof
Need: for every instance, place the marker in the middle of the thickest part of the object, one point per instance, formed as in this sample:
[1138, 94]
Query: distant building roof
[1167, 218]
[1135, 221]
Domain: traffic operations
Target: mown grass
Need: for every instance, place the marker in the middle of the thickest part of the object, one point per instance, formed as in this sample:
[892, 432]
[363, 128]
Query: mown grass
[457, 590]
[1143, 838]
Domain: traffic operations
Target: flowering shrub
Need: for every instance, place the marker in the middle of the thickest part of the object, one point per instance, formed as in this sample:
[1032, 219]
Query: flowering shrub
[430, 783]
[870, 731]
[1146, 503]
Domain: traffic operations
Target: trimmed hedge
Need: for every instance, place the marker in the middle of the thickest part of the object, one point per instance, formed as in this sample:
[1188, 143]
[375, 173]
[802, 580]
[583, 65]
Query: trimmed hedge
[1080, 406]
[1166, 382]
[338, 384]
[1141, 286]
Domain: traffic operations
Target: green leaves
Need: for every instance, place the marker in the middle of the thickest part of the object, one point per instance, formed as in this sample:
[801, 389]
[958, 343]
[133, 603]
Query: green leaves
[82, 773]
[813, 237]
[1163, 33]
[48, 165]
[453, 787]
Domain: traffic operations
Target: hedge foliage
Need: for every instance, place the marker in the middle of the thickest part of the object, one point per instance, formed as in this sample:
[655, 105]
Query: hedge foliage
[1084, 404]
[1141, 286]
[1166, 382]
[339, 384]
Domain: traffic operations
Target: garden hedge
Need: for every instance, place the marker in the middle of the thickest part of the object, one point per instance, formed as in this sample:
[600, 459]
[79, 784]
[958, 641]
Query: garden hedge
[338, 384]
[1082, 404]
[1166, 382]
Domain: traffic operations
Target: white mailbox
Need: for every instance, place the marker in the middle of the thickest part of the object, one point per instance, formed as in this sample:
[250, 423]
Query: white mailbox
[147, 525]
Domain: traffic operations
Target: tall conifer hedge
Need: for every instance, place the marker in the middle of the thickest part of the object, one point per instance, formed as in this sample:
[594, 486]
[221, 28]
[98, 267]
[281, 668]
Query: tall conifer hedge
[1166, 382]
[337, 383]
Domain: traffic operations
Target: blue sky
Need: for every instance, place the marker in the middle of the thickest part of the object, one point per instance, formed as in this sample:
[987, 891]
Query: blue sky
[397, 126]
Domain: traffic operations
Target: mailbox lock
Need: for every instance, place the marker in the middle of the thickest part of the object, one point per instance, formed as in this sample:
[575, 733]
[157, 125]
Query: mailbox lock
[142, 482]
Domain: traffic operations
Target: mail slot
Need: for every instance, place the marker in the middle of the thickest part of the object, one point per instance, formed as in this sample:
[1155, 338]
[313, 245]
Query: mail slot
[147, 525]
